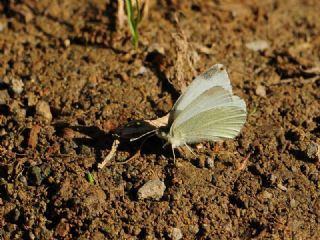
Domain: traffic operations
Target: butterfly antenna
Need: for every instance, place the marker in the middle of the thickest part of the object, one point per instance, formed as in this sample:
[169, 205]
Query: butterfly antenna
[189, 148]
[145, 134]
[166, 144]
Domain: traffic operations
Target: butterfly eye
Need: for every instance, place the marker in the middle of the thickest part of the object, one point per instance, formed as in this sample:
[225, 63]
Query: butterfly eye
[163, 134]
[133, 124]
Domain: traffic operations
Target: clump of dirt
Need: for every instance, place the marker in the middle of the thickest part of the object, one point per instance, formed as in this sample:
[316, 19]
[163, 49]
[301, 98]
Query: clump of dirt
[69, 76]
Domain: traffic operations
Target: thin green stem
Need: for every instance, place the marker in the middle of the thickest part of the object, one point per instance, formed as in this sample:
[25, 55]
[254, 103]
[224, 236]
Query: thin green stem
[133, 21]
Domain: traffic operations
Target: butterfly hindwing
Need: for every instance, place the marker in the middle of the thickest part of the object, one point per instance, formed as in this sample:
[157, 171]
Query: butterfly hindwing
[211, 125]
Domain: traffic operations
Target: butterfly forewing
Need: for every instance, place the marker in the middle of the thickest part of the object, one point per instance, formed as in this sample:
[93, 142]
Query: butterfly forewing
[215, 76]
[215, 97]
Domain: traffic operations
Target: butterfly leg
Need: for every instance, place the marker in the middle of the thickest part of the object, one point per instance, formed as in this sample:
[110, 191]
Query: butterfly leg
[174, 156]
[189, 148]
[164, 145]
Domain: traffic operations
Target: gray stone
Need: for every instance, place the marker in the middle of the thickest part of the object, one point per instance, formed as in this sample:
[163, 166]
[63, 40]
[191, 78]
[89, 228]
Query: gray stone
[153, 189]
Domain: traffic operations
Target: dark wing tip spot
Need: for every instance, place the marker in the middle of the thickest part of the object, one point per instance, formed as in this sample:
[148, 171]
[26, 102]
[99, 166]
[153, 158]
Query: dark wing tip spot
[222, 68]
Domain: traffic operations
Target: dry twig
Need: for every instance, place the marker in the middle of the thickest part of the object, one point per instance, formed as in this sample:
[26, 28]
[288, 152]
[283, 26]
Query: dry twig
[111, 154]
[185, 54]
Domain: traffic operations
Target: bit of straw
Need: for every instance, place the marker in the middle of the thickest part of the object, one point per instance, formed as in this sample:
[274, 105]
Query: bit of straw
[121, 14]
[244, 163]
[111, 154]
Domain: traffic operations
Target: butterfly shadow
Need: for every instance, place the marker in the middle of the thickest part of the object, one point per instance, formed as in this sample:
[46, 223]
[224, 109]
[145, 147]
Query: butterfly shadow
[139, 137]
[86, 136]
[134, 137]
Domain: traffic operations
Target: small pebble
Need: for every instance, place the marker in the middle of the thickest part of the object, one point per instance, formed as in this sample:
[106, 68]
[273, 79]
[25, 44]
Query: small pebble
[84, 150]
[194, 229]
[45, 170]
[293, 203]
[273, 179]
[31, 235]
[281, 187]
[62, 228]
[3, 132]
[16, 215]
[294, 169]
[33, 136]
[27, 14]
[238, 212]
[258, 45]
[313, 151]
[199, 146]
[15, 107]
[176, 234]
[209, 162]
[43, 111]
[16, 85]
[31, 99]
[142, 70]
[261, 91]
[23, 180]
[9, 187]
[153, 189]
[66, 43]
[35, 176]
[266, 194]
[4, 97]
[2, 26]
[93, 79]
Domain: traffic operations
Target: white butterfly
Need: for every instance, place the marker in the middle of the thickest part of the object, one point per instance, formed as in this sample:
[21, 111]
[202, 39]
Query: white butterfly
[206, 111]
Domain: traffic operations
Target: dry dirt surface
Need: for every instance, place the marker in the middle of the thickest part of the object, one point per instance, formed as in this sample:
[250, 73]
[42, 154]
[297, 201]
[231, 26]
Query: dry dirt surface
[70, 77]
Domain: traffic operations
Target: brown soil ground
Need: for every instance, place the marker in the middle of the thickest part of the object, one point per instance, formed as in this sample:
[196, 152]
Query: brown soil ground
[69, 76]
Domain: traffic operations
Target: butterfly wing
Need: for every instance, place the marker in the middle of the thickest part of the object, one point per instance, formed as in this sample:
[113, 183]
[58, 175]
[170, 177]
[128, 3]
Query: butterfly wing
[214, 115]
[215, 97]
[215, 76]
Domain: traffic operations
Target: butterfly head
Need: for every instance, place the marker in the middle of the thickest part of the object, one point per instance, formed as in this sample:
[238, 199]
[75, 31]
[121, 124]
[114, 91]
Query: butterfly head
[163, 133]
[174, 140]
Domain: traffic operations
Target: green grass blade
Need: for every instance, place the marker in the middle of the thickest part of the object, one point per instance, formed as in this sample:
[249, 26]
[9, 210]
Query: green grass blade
[133, 22]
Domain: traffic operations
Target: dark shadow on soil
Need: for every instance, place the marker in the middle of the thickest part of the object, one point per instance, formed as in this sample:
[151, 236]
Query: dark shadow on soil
[316, 130]
[154, 60]
[235, 200]
[111, 12]
[301, 156]
[100, 141]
